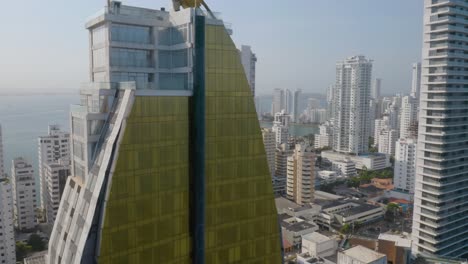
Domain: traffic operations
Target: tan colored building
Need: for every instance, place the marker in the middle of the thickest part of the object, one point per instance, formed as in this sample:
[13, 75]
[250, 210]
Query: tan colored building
[396, 247]
[301, 175]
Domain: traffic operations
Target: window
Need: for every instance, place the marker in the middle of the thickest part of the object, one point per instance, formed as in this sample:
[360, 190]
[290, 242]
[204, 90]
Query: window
[131, 34]
[130, 58]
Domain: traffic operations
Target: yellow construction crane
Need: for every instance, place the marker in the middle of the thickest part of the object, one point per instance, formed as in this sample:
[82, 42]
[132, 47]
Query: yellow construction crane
[191, 4]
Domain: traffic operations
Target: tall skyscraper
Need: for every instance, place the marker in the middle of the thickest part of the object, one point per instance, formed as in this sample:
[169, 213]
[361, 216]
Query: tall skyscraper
[408, 117]
[376, 89]
[301, 175]
[55, 174]
[440, 216]
[52, 147]
[295, 107]
[416, 81]
[330, 102]
[279, 101]
[405, 165]
[352, 97]
[288, 101]
[386, 141]
[281, 163]
[170, 166]
[249, 62]
[269, 141]
[281, 127]
[24, 194]
[7, 232]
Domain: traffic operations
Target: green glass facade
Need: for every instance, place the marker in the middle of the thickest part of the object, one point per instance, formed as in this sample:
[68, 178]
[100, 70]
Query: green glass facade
[147, 215]
[241, 217]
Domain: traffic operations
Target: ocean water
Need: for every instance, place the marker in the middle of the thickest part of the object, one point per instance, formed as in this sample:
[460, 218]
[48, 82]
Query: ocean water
[297, 130]
[24, 118]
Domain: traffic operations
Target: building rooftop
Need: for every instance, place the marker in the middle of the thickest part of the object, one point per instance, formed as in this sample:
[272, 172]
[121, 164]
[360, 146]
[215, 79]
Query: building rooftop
[283, 203]
[363, 254]
[326, 196]
[292, 224]
[400, 240]
[316, 237]
[361, 208]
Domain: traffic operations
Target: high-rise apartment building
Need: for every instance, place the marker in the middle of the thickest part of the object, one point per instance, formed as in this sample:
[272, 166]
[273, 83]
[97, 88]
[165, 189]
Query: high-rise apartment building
[325, 136]
[440, 215]
[55, 174]
[7, 232]
[352, 97]
[24, 194]
[416, 81]
[408, 117]
[249, 62]
[281, 127]
[279, 101]
[386, 141]
[330, 102]
[295, 106]
[281, 162]
[52, 147]
[168, 160]
[379, 125]
[269, 141]
[301, 175]
[405, 165]
[376, 89]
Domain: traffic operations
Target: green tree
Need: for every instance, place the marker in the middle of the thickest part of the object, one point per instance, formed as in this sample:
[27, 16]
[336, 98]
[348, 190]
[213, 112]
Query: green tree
[22, 250]
[392, 211]
[36, 243]
[345, 229]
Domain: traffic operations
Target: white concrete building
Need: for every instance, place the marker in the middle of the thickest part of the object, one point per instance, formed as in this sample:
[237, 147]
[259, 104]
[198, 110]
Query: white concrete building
[281, 127]
[249, 62]
[282, 153]
[372, 161]
[379, 125]
[345, 167]
[318, 245]
[352, 97]
[301, 175]
[56, 174]
[316, 115]
[325, 136]
[361, 255]
[405, 165]
[387, 139]
[343, 212]
[279, 101]
[24, 194]
[330, 102]
[269, 141]
[52, 147]
[440, 216]
[376, 88]
[408, 117]
[7, 232]
[416, 81]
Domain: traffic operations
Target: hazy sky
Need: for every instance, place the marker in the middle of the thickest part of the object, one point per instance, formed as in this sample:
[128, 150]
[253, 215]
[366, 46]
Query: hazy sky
[44, 44]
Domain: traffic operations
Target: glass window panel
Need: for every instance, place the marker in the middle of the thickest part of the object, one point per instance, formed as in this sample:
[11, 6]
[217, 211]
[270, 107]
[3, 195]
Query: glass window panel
[131, 34]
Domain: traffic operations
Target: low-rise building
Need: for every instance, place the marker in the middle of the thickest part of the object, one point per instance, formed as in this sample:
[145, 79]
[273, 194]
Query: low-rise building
[361, 255]
[335, 214]
[293, 228]
[370, 161]
[305, 258]
[318, 245]
[345, 167]
[397, 248]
